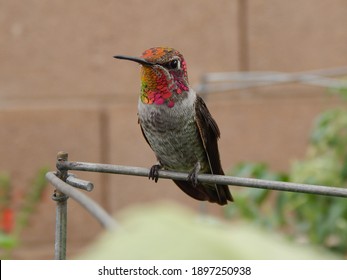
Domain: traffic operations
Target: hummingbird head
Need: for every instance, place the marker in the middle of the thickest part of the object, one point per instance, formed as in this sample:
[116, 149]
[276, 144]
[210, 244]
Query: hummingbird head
[164, 78]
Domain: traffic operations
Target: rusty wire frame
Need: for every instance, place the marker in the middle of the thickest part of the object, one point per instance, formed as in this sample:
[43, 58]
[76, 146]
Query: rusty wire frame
[65, 186]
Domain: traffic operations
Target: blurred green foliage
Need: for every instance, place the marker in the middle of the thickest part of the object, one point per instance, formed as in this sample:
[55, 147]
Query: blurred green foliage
[167, 231]
[14, 220]
[308, 218]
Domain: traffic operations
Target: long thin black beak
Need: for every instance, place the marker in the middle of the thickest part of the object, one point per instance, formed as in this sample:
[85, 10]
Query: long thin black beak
[136, 59]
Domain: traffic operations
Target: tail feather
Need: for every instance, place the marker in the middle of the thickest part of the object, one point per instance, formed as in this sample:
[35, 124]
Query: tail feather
[220, 194]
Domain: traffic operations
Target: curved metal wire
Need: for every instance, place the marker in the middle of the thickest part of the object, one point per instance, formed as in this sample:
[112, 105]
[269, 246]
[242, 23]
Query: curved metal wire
[90, 205]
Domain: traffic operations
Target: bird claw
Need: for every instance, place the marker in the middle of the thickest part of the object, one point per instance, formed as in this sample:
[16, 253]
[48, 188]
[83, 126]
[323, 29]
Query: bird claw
[193, 178]
[193, 175]
[154, 172]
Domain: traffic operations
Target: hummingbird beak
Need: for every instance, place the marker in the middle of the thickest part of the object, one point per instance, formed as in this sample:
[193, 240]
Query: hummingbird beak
[136, 59]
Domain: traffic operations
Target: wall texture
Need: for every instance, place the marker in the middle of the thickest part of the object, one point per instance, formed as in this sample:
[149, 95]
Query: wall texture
[60, 89]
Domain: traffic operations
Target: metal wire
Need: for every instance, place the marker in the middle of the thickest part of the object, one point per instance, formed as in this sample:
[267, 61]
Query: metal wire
[78, 183]
[61, 225]
[91, 206]
[226, 81]
[218, 179]
[61, 212]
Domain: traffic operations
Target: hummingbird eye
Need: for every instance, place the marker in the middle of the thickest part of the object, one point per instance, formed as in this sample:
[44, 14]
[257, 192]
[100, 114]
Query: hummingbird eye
[173, 64]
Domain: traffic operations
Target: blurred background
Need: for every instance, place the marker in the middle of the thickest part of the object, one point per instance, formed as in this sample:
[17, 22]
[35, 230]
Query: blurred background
[60, 89]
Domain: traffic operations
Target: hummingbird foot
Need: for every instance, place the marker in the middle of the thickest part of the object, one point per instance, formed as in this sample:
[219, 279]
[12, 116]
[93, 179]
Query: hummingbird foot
[193, 175]
[154, 172]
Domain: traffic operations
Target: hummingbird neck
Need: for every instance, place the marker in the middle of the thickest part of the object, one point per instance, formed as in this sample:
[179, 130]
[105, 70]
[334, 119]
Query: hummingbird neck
[160, 88]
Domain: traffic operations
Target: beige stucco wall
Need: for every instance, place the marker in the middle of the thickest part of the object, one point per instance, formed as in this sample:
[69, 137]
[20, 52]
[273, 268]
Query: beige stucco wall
[60, 89]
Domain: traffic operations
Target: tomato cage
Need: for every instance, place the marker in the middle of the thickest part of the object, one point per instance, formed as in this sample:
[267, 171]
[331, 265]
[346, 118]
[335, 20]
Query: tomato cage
[68, 186]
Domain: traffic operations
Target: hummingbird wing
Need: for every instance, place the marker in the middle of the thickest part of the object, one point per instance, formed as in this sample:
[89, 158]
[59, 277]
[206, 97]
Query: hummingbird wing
[209, 133]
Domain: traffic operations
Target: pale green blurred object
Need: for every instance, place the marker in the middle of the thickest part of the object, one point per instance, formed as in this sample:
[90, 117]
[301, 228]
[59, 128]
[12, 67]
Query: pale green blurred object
[169, 231]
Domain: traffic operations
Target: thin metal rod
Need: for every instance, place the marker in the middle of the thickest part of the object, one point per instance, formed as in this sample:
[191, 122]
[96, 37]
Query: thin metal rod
[218, 179]
[60, 228]
[61, 213]
[226, 81]
[72, 180]
[91, 206]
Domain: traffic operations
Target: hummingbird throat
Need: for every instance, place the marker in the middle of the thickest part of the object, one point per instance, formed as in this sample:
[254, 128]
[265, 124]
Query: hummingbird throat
[160, 87]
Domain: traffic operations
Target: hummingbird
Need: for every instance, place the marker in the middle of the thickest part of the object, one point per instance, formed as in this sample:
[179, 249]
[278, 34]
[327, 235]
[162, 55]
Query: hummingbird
[177, 125]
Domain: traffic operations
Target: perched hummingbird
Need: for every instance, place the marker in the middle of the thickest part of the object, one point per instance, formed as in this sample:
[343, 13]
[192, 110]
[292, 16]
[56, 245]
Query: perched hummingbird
[177, 124]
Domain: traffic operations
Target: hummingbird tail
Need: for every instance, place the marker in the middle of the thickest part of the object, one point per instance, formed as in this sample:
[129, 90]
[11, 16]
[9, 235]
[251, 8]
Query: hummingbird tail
[220, 194]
